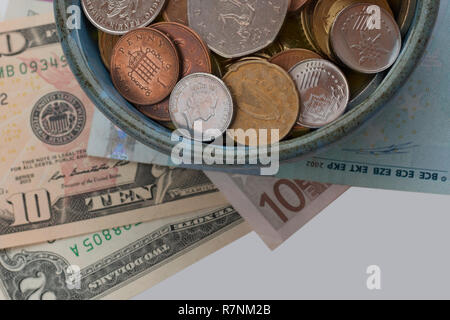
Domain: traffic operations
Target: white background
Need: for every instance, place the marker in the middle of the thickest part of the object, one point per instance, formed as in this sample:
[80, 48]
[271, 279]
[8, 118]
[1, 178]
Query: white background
[406, 234]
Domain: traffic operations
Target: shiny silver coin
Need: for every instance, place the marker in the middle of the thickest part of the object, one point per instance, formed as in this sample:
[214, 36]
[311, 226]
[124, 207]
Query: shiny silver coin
[235, 28]
[201, 106]
[121, 16]
[324, 92]
[366, 38]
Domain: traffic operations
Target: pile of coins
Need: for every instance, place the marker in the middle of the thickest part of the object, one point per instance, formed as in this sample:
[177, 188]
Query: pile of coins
[289, 65]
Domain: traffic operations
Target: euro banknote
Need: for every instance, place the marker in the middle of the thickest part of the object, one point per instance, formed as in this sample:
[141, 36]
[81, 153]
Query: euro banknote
[49, 187]
[275, 208]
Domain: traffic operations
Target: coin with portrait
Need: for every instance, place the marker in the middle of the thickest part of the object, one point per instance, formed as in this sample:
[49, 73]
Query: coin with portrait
[201, 107]
[121, 16]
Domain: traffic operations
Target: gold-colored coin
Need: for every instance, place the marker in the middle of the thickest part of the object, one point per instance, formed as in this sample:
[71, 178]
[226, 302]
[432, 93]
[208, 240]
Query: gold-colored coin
[274, 48]
[219, 64]
[324, 14]
[168, 124]
[404, 11]
[357, 81]
[106, 43]
[265, 98]
[306, 24]
[231, 63]
[292, 35]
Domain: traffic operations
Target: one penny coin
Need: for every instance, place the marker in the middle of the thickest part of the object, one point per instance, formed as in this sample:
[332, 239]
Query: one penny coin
[145, 66]
[194, 56]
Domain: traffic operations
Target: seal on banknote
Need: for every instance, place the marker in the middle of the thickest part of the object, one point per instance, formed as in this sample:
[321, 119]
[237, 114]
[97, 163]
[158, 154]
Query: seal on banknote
[58, 118]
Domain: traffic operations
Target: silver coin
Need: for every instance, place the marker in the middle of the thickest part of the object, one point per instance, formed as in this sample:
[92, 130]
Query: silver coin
[235, 28]
[366, 38]
[324, 92]
[199, 103]
[121, 16]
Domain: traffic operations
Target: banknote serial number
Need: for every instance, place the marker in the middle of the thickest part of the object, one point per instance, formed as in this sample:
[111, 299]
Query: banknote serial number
[3, 99]
[32, 66]
[98, 239]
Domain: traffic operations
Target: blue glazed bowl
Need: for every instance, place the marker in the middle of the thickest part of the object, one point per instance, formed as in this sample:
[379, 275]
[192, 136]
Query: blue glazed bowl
[81, 50]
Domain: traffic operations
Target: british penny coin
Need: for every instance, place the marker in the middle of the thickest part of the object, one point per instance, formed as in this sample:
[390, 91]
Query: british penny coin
[235, 28]
[289, 58]
[324, 92]
[176, 11]
[145, 66]
[121, 16]
[361, 45]
[194, 57]
[325, 13]
[265, 98]
[199, 103]
[106, 43]
[296, 5]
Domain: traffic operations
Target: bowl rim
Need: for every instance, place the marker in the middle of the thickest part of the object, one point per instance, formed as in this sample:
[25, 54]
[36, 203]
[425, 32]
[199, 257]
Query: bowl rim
[150, 134]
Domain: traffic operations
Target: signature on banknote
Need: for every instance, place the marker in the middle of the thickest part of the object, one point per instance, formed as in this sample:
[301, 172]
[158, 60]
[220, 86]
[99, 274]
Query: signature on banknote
[391, 149]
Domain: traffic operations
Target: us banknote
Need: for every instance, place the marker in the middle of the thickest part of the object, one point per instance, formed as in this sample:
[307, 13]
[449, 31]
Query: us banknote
[405, 147]
[116, 263]
[275, 208]
[49, 187]
[21, 8]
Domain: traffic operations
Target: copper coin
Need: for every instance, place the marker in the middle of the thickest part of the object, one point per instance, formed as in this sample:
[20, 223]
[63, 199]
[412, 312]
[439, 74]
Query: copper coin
[296, 5]
[106, 43]
[289, 58]
[176, 11]
[121, 16]
[360, 43]
[194, 56]
[145, 66]
[266, 98]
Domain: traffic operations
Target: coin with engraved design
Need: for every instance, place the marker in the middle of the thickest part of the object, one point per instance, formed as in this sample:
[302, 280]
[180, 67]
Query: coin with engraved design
[235, 28]
[366, 38]
[201, 107]
[267, 102]
[145, 66]
[121, 16]
[324, 92]
[194, 56]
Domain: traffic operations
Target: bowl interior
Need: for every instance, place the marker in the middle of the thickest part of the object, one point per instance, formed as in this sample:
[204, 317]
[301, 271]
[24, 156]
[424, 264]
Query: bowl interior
[81, 49]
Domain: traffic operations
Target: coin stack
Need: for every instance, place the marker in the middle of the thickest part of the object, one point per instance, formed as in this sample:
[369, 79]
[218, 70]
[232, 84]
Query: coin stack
[289, 65]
